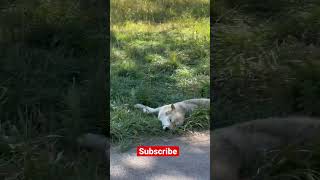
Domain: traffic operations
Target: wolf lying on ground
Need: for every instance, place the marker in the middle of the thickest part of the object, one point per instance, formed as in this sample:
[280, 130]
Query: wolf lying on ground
[174, 114]
[237, 146]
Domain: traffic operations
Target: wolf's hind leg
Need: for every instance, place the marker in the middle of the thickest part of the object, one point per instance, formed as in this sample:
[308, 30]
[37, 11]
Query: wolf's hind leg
[147, 109]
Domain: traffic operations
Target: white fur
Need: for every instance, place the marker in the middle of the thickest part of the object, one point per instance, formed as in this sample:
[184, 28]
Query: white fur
[174, 114]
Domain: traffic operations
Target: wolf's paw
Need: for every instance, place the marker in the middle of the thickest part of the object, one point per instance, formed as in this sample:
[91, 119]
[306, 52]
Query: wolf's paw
[144, 108]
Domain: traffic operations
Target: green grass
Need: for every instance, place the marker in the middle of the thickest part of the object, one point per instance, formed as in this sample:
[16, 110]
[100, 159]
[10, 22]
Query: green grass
[159, 55]
[262, 63]
[266, 59]
[291, 162]
[51, 89]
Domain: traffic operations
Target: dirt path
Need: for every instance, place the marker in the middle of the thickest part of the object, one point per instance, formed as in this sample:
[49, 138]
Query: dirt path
[193, 162]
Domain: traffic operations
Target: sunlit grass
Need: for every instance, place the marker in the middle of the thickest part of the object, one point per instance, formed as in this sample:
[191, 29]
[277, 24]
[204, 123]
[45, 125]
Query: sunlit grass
[160, 54]
[157, 10]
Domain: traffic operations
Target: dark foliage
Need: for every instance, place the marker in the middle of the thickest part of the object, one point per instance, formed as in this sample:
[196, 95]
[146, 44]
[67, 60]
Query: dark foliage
[265, 65]
[51, 84]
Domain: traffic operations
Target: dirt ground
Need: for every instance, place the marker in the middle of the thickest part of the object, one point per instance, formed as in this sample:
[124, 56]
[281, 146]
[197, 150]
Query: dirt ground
[193, 162]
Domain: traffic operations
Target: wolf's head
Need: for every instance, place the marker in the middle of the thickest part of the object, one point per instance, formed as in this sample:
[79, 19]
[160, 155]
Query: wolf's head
[170, 117]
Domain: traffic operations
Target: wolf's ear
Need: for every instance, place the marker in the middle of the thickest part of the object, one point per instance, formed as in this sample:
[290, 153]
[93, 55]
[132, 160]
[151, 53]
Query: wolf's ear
[173, 107]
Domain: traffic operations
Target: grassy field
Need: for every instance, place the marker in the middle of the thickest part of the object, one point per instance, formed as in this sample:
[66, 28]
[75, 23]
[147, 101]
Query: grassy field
[266, 58]
[51, 88]
[159, 54]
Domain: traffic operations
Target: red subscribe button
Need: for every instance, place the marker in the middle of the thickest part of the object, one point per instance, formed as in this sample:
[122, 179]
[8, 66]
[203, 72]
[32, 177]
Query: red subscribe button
[158, 151]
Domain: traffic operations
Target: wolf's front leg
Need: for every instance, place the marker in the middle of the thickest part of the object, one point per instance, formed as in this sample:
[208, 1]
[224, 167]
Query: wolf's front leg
[147, 109]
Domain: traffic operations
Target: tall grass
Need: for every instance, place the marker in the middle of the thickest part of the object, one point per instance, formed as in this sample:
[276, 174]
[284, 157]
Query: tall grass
[266, 59]
[266, 65]
[50, 57]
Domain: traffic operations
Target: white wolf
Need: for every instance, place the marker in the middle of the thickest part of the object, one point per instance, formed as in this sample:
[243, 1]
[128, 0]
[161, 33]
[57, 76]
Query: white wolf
[173, 115]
